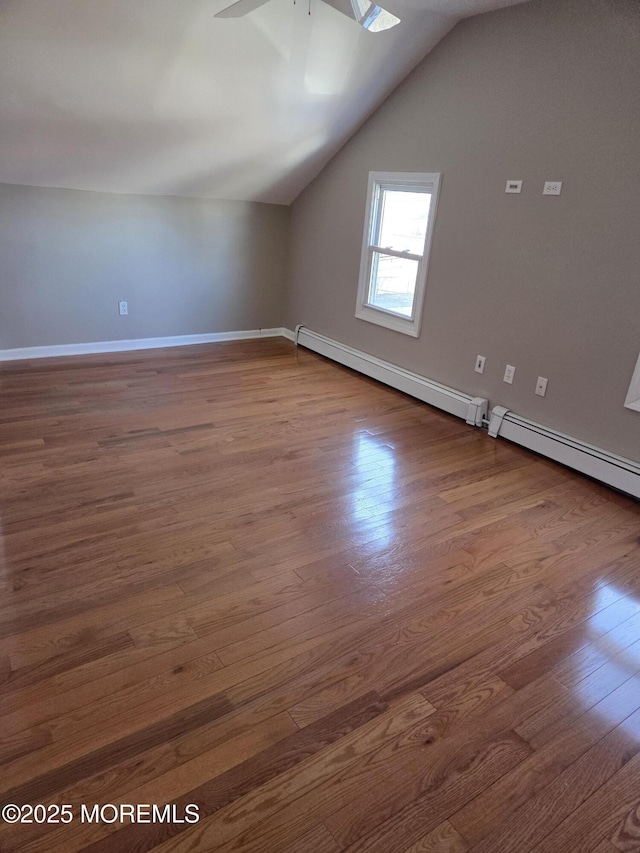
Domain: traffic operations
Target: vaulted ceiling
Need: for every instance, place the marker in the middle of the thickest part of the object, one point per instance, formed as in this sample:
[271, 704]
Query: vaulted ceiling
[161, 97]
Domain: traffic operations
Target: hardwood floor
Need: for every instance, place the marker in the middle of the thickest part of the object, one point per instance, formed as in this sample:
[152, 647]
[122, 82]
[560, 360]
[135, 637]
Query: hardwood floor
[241, 577]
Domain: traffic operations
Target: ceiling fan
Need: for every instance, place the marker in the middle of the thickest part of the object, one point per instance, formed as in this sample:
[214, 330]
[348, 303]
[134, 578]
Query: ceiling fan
[373, 18]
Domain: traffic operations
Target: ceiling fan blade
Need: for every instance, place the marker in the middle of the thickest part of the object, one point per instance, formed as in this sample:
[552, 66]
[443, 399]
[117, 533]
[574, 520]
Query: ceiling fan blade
[370, 16]
[240, 8]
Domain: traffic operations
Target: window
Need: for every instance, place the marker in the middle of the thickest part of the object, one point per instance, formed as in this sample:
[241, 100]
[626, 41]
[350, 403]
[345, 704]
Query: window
[401, 211]
[633, 397]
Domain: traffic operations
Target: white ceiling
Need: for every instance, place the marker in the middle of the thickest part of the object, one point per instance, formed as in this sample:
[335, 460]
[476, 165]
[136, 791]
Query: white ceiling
[161, 97]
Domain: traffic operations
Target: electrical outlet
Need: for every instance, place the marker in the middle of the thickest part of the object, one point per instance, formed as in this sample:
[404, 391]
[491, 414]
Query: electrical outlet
[541, 386]
[513, 187]
[123, 308]
[480, 360]
[508, 374]
[552, 188]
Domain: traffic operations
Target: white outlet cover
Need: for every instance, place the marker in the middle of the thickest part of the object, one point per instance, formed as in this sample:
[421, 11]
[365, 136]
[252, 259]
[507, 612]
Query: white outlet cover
[552, 188]
[509, 374]
[541, 386]
[513, 187]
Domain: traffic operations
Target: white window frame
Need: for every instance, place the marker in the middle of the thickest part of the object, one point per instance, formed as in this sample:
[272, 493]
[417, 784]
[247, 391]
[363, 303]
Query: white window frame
[633, 397]
[418, 182]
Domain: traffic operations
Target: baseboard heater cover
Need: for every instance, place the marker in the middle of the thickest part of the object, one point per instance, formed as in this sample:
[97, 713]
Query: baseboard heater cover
[615, 471]
[622, 474]
[92, 347]
[471, 409]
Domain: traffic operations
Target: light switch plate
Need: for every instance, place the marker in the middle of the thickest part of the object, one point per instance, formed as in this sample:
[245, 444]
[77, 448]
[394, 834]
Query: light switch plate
[513, 187]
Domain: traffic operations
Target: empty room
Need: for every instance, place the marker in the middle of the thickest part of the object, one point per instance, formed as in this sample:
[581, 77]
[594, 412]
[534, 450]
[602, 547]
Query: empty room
[319, 426]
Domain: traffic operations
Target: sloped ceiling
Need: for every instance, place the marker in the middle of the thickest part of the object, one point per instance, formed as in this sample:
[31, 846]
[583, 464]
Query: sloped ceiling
[160, 97]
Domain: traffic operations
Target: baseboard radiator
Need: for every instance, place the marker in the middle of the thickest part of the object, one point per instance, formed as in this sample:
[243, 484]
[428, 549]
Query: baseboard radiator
[622, 474]
[471, 409]
[615, 471]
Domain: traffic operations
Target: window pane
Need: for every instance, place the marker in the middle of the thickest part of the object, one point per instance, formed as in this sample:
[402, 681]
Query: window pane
[392, 284]
[403, 220]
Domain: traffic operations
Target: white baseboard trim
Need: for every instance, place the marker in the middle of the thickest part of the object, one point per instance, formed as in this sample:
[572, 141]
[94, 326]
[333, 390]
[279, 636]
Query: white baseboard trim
[138, 344]
[622, 474]
[454, 402]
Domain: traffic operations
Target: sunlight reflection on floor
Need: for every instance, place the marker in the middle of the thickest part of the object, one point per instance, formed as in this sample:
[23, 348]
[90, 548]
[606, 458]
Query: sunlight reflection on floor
[376, 466]
[614, 683]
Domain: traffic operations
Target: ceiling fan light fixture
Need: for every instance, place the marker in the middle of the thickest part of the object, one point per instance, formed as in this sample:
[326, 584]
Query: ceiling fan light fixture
[360, 8]
[373, 18]
[367, 14]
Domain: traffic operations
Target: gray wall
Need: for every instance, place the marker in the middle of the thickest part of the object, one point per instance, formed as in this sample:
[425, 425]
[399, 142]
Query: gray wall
[185, 266]
[547, 90]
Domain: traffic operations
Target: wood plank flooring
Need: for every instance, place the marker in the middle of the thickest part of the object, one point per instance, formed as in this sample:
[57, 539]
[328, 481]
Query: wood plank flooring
[330, 617]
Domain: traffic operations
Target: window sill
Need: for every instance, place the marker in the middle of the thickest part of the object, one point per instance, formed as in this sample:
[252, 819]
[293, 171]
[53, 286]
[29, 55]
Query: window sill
[390, 321]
